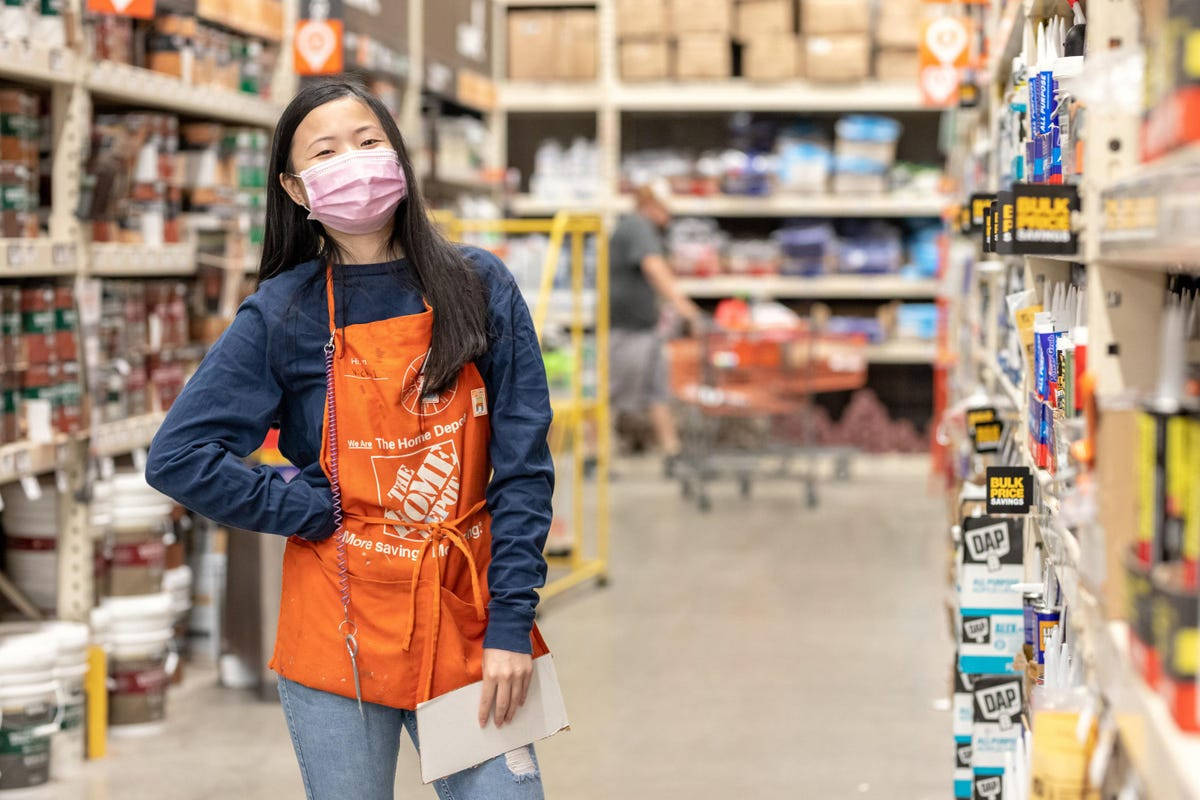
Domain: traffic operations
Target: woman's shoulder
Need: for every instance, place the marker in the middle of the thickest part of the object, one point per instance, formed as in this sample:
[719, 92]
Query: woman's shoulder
[489, 267]
[281, 291]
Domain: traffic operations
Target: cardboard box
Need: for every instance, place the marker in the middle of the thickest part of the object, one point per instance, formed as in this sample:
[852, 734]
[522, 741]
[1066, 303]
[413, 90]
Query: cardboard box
[899, 24]
[533, 44]
[757, 17]
[702, 16]
[577, 45]
[771, 57]
[645, 59]
[837, 58]
[703, 55]
[835, 16]
[639, 18]
[897, 65]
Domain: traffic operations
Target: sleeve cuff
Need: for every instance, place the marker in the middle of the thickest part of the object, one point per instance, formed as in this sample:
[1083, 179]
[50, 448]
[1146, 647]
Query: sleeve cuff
[322, 526]
[508, 630]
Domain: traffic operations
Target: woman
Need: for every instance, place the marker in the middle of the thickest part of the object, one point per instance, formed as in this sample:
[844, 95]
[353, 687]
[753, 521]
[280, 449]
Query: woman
[403, 373]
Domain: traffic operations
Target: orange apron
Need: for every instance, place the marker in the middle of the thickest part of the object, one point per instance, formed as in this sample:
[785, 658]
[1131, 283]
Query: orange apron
[398, 594]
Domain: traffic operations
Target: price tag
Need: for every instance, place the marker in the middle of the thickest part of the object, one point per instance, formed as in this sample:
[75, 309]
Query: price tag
[62, 255]
[139, 459]
[55, 60]
[23, 51]
[60, 481]
[31, 487]
[8, 464]
[15, 256]
[38, 421]
[107, 467]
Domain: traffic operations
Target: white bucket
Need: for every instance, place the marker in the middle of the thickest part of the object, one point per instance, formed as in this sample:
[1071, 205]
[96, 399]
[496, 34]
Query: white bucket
[178, 583]
[31, 542]
[29, 709]
[137, 613]
[140, 664]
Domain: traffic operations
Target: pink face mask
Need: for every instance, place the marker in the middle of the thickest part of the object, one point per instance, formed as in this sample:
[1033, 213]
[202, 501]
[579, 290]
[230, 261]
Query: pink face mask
[355, 192]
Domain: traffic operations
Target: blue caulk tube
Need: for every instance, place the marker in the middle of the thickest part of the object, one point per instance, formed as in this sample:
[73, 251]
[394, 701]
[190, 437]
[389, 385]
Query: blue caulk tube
[1043, 337]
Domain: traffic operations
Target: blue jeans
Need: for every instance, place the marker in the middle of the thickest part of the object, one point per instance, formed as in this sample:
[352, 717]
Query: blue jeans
[342, 756]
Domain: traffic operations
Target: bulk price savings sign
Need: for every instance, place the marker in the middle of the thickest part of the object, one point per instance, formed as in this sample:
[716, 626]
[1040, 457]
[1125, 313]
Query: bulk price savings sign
[1009, 490]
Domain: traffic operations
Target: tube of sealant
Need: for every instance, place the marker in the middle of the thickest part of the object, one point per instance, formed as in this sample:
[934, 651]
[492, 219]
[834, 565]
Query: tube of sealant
[1080, 336]
[1045, 100]
[1033, 149]
[1054, 173]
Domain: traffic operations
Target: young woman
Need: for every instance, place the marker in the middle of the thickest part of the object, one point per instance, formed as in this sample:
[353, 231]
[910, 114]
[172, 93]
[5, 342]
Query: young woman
[409, 388]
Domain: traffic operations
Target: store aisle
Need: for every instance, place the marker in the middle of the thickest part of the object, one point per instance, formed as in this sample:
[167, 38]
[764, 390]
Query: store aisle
[821, 629]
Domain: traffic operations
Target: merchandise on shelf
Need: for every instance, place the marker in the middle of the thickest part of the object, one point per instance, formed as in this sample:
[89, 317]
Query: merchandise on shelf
[21, 124]
[133, 182]
[548, 45]
[1172, 82]
[224, 175]
[864, 152]
[462, 146]
[566, 174]
[695, 247]
[184, 47]
[37, 22]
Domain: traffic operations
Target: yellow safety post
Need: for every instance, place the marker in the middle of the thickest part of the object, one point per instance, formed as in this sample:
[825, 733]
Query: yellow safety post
[573, 414]
[95, 688]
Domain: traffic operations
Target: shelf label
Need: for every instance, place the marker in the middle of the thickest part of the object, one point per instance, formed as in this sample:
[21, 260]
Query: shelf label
[1009, 490]
[1042, 219]
[142, 9]
[987, 436]
[980, 207]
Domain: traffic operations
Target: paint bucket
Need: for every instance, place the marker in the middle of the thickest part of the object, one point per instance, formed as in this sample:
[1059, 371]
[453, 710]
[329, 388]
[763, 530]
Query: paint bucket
[29, 709]
[138, 554]
[138, 639]
[31, 542]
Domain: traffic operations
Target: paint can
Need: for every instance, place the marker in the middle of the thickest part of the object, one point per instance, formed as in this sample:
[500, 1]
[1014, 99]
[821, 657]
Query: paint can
[138, 554]
[29, 711]
[1047, 620]
[138, 635]
[31, 542]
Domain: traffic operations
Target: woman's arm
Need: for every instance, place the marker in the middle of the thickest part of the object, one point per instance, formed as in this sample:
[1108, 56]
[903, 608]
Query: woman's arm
[220, 418]
[522, 483]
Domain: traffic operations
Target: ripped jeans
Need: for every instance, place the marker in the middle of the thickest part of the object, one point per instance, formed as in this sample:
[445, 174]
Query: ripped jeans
[342, 757]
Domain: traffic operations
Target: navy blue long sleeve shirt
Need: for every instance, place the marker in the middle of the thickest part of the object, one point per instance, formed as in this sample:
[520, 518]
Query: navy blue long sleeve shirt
[269, 367]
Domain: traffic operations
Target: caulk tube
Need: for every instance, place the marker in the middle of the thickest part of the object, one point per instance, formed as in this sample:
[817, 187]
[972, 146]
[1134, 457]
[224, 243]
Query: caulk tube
[1054, 173]
[1046, 99]
[1080, 336]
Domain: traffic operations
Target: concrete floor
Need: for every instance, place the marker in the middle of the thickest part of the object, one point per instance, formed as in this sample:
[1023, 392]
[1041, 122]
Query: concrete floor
[759, 651]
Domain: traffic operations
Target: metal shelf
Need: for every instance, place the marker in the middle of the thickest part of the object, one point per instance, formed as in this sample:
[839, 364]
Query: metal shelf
[118, 260]
[902, 351]
[737, 95]
[548, 97]
[37, 258]
[19, 459]
[127, 84]
[125, 436]
[874, 287]
[21, 60]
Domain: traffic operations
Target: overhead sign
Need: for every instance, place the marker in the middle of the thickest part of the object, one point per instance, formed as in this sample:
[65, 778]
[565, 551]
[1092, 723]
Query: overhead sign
[319, 47]
[944, 51]
[142, 9]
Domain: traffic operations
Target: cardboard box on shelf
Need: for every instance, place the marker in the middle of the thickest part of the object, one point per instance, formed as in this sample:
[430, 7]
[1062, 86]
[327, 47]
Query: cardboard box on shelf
[645, 59]
[771, 57]
[897, 65]
[835, 16]
[577, 45]
[702, 16]
[898, 24]
[838, 57]
[703, 55]
[533, 44]
[643, 18]
[757, 17]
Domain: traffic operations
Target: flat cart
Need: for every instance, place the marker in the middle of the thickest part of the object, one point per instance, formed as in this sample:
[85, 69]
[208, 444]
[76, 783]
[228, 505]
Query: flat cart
[743, 396]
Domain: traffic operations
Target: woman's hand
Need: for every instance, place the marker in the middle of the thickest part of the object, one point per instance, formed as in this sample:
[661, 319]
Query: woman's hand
[506, 678]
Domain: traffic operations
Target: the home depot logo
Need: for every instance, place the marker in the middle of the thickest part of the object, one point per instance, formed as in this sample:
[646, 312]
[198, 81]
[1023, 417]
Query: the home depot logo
[977, 629]
[422, 486]
[415, 400]
[989, 787]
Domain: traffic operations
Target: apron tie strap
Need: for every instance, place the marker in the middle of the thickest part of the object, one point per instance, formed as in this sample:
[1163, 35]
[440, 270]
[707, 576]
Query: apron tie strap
[437, 533]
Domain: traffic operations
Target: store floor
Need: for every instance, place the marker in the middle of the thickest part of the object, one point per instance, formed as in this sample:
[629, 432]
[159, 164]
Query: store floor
[760, 651]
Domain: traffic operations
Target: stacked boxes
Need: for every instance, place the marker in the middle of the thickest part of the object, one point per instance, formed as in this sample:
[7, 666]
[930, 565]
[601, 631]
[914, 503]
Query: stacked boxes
[837, 39]
[702, 47]
[553, 45]
[644, 30]
[897, 37]
[770, 47]
[20, 133]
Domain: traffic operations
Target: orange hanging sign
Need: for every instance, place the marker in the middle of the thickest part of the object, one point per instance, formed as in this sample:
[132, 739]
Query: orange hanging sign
[142, 9]
[318, 47]
[945, 45]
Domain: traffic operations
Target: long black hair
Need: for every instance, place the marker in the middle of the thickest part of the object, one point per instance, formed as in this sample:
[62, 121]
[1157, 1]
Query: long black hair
[450, 285]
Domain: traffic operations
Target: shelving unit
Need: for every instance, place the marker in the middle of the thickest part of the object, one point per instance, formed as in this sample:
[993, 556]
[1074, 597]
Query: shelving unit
[38, 258]
[31, 63]
[775, 206]
[122, 83]
[1137, 225]
[852, 287]
[115, 260]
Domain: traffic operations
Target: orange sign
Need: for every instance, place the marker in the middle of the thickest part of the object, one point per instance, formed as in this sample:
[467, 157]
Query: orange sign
[142, 9]
[318, 47]
[945, 45]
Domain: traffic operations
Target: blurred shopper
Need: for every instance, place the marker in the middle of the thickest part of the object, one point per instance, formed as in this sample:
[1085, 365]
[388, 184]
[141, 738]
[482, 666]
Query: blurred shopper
[410, 391]
[640, 280]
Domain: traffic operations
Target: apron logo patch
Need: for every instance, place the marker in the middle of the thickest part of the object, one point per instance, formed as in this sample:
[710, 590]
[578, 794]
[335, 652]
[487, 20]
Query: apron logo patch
[422, 486]
[415, 400]
[479, 401]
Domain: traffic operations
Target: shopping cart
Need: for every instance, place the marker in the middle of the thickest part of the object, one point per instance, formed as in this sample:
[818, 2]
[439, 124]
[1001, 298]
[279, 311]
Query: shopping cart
[746, 401]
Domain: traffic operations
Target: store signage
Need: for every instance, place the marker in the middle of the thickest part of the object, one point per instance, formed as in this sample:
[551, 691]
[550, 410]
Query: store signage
[1042, 219]
[981, 202]
[318, 47]
[142, 9]
[1009, 490]
[943, 53]
[987, 436]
